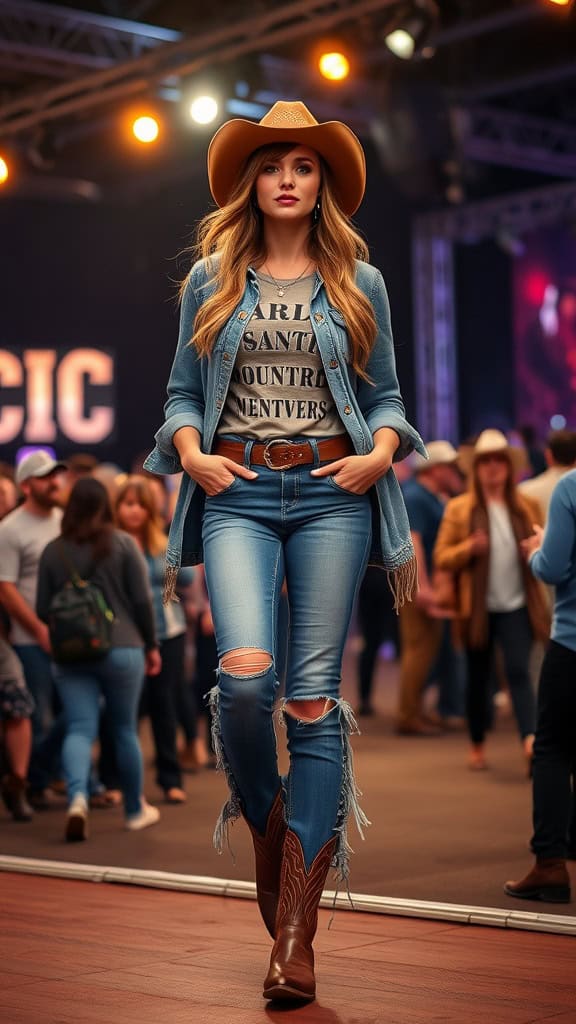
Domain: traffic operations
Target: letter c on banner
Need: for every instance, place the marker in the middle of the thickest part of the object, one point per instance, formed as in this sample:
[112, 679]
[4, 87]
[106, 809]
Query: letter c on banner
[11, 416]
[81, 425]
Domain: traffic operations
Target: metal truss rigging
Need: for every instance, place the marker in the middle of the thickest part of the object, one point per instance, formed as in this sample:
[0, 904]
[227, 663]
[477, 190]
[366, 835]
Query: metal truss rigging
[274, 27]
[47, 39]
[516, 140]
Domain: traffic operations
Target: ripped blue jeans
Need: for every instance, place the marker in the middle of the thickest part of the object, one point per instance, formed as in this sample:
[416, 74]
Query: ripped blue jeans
[310, 531]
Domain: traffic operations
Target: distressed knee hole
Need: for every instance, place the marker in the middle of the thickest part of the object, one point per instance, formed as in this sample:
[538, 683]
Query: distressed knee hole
[309, 710]
[246, 661]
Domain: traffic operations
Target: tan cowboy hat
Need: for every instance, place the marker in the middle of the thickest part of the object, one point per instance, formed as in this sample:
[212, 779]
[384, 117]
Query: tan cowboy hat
[288, 122]
[488, 442]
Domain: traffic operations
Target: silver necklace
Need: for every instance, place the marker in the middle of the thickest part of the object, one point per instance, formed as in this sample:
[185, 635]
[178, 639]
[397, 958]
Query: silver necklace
[281, 288]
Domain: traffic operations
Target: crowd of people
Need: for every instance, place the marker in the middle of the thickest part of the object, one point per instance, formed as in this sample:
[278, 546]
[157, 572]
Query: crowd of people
[88, 521]
[463, 643]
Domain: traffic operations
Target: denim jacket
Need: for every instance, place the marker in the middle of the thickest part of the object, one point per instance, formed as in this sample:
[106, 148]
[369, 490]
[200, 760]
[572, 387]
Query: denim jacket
[197, 391]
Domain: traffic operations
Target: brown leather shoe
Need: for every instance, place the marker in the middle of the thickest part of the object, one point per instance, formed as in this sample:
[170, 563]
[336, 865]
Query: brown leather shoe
[417, 727]
[268, 858]
[548, 881]
[291, 973]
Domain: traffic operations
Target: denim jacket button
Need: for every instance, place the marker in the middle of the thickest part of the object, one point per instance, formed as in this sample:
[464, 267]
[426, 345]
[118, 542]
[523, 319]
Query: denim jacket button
[347, 409]
[226, 356]
[333, 364]
[319, 317]
[242, 314]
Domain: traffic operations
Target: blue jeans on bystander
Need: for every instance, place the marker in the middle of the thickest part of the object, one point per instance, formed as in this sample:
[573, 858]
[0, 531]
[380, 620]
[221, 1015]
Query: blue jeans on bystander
[117, 678]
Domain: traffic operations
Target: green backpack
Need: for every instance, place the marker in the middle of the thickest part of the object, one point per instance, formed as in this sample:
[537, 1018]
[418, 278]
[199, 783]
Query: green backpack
[79, 620]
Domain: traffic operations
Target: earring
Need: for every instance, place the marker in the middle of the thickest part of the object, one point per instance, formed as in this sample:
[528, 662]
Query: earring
[316, 213]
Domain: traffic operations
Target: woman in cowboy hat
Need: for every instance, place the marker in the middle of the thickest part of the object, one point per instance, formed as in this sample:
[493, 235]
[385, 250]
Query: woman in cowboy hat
[499, 603]
[285, 414]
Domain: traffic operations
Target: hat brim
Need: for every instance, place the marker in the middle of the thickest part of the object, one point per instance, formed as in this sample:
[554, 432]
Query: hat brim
[468, 456]
[334, 141]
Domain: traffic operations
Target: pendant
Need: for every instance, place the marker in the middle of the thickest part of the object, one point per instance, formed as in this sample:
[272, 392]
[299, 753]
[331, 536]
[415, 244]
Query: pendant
[280, 292]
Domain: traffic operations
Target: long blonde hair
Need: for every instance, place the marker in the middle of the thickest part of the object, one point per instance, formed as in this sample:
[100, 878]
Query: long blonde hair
[234, 234]
[154, 538]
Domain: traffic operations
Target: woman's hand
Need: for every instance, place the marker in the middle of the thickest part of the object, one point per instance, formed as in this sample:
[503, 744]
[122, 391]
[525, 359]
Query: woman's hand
[153, 662]
[214, 473]
[357, 473]
[479, 542]
[532, 543]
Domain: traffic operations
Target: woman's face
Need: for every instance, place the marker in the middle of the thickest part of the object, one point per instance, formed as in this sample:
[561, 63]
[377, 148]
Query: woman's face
[132, 516]
[493, 469]
[287, 188]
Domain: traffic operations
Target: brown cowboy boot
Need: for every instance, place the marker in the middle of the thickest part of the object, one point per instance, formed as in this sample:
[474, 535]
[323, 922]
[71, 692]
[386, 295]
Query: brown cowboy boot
[548, 881]
[291, 973]
[268, 857]
[14, 796]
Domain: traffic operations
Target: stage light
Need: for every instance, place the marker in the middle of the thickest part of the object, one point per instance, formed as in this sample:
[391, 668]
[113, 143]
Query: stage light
[145, 129]
[4, 171]
[334, 66]
[560, 3]
[558, 422]
[410, 30]
[204, 109]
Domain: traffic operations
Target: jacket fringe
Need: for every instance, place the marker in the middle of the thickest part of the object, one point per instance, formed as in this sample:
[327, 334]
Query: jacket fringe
[403, 582]
[170, 579]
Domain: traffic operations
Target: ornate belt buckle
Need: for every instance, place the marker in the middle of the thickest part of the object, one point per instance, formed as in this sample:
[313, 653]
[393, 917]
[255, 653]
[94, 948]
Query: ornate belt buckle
[268, 455]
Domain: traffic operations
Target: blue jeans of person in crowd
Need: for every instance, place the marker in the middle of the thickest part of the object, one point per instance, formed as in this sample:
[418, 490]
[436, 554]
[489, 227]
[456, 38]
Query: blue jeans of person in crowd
[48, 724]
[513, 633]
[117, 678]
[286, 523]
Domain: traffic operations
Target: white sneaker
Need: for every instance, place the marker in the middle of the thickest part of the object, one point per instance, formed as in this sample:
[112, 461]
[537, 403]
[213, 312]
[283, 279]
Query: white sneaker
[77, 820]
[147, 816]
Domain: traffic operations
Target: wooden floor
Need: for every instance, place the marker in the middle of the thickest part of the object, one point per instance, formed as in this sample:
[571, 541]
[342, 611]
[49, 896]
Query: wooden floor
[85, 953]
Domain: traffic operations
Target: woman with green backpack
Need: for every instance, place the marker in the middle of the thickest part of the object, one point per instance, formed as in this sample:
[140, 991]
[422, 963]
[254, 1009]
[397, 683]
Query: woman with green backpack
[93, 586]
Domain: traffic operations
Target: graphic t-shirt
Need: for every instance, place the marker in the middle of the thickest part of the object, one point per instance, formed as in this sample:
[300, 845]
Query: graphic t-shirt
[278, 386]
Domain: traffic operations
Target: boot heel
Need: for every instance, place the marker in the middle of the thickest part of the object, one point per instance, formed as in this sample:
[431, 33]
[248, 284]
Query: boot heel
[554, 894]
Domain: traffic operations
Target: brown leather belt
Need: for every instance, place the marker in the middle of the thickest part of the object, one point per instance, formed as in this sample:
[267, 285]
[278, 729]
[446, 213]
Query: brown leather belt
[284, 454]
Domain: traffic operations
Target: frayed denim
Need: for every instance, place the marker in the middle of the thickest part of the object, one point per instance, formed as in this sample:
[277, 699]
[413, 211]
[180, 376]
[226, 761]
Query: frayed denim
[317, 536]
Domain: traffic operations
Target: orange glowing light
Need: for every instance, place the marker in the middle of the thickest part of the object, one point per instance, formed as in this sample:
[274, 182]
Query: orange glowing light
[4, 171]
[334, 66]
[145, 129]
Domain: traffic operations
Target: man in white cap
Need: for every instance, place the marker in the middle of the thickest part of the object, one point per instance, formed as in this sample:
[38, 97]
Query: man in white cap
[421, 628]
[24, 533]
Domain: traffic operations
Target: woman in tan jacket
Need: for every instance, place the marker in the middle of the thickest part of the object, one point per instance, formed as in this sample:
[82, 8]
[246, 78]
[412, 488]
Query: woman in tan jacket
[497, 600]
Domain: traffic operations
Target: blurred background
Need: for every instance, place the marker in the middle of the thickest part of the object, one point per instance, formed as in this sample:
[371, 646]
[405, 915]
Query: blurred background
[467, 113]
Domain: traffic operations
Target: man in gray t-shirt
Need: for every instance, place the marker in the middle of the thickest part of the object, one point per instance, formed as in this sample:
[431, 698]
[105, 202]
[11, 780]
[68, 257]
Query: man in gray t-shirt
[24, 533]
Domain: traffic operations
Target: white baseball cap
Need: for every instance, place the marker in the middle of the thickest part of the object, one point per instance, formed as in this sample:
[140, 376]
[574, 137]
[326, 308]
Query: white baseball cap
[38, 464]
